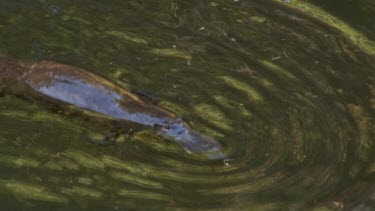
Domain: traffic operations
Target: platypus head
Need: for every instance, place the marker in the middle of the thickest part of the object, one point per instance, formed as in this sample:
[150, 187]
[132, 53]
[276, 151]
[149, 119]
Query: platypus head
[191, 141]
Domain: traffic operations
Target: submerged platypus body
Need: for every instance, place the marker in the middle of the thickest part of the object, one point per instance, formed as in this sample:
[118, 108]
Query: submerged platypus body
[78, 87]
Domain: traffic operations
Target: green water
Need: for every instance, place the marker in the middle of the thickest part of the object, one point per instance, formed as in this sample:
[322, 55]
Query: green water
[288, 89]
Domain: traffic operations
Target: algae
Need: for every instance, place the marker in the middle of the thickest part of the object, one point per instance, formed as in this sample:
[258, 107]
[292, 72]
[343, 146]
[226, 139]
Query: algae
[127, 36]
[33, 192]
[213, 115]
[171, 53]
[242, 86]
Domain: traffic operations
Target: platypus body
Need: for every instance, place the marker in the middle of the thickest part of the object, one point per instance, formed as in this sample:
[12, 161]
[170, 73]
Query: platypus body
[72, 85]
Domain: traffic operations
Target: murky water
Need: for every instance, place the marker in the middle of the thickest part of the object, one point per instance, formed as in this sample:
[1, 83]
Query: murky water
[286, 86]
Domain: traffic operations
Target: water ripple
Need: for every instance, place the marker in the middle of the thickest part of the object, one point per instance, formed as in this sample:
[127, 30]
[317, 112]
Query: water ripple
[287, 88]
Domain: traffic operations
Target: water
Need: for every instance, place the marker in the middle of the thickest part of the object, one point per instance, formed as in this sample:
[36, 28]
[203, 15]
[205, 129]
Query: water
[288, 87]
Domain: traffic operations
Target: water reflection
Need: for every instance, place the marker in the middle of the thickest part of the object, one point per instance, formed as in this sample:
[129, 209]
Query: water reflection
[287, 87]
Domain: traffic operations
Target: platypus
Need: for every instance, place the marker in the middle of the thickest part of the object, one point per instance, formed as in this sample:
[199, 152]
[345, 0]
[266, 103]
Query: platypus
[76, 86]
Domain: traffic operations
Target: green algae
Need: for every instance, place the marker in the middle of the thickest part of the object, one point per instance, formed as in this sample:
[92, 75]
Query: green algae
[84, 159]
[265, 83]
[242, 86]
[213, 115]
[133, 169]
[225, 185]
[278, 69]
[18, 162]
[53, 166]
[14, 114]
[142, 195]
[78, 19]
[358, 38]
[128, 36]
[233, 105]
[41, 116]
[117, 77]
[177, 109]
[69, 164]
[206, 130]
[137, 180]
[82, 191]
[254, 186]
[296, 143]
[114, 162]
[39, 151]
[156, 141]
[85, 181]
[54, 179]
[171, 53]
[30, 191]
[364, 129]
[258, 19]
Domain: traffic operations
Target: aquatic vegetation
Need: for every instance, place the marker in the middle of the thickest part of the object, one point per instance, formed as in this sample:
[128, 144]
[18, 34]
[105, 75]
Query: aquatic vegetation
[127, 36]
[213, 116]
[137, 180]
[18, 162]
[233, 105]
[207, 130]
[244, 87]
[85, 159]
[78, 19]
[85, 180]
[82, 191]
[68, 164]
[257, 185]
[264, 82]
[278, 70]
[178, 109]
[114, 162]
[287, 87]
[172, 53]
[34, 192]
[53, 166]
[258, 19]
[357, 37]
[132, 168]
[365, 129]
[117, 76]
[143, 195]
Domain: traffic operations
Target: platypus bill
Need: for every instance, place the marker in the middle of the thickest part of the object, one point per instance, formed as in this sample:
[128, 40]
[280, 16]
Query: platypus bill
[85, 90]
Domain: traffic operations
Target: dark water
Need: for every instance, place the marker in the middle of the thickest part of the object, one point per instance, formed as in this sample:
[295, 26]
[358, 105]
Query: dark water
[288, 88]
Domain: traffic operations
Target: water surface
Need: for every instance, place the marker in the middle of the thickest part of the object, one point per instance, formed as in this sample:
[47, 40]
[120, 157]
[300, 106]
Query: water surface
[288, 87]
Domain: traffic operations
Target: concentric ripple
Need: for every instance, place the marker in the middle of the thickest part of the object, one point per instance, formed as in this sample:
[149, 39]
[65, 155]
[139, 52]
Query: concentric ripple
[288, 89]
